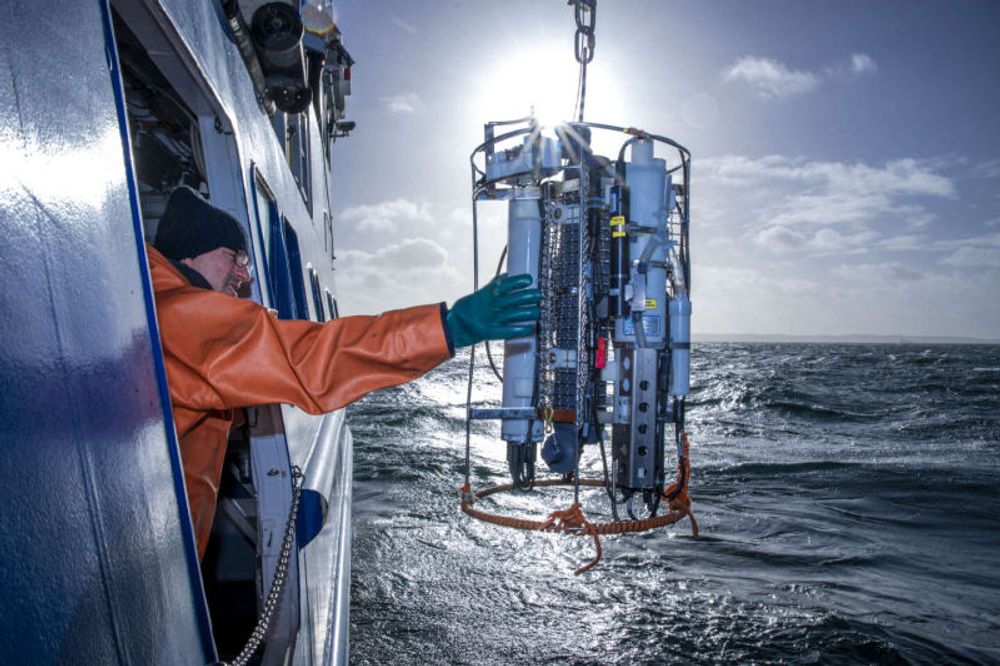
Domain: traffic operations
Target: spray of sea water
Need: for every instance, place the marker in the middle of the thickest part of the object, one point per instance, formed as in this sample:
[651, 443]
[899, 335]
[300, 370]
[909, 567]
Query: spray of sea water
[848, 498]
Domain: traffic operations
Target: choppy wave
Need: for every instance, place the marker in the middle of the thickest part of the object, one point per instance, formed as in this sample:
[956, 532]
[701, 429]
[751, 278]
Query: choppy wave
[847, 495]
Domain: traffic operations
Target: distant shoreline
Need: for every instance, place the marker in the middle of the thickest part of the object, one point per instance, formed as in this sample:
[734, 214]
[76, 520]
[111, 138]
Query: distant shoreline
[844, 339]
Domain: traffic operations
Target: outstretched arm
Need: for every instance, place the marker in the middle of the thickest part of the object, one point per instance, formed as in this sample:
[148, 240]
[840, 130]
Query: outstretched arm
[222, 352]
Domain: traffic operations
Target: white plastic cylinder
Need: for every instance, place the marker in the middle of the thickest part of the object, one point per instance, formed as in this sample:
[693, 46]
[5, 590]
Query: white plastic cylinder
[648, 184]
[680, 345]
[524, 237]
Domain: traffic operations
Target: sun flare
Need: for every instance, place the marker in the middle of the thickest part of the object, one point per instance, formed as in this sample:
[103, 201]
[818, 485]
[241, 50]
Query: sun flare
[540, 79]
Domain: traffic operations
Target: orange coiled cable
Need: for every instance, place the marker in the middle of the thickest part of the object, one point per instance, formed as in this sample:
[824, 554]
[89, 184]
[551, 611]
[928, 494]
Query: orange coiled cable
[572, 520]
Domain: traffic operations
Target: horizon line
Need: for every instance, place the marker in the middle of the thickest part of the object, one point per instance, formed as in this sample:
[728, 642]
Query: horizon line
[842, 337]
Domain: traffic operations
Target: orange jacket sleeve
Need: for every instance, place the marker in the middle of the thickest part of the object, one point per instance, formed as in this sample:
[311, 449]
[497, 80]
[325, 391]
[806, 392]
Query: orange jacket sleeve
[223, 352]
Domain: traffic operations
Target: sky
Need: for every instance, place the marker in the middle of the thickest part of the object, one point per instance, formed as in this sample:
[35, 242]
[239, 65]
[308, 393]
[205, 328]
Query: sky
[846, 155]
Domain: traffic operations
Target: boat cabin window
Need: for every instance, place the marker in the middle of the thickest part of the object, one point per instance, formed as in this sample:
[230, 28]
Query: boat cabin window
[280, 287]
[292, 131]
[280, 270]
[283, 270]
[298, 154]
[296, 273]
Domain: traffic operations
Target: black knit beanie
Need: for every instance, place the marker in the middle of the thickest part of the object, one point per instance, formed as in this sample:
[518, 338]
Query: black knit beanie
[191, 226]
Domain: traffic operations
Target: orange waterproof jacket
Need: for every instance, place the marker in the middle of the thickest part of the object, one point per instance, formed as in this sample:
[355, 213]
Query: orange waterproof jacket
[223, 352]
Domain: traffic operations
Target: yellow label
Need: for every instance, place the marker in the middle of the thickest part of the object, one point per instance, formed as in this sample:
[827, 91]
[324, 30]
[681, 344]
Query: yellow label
[618, 221]
[650, 303]
[617, 234]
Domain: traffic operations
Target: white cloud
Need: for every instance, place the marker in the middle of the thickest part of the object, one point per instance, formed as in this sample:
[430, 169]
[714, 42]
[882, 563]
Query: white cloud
[386, 216]
[902, 176]
[880, 298]
[862, 63]
[904, 242]
[831, 241]
[775, 80]
[769, 300]
[813, 246]
[413, 271]
[988, 169]
[780, 191]
[815, 242]
[401, 252]
[780, 238]
[403, 103]
[771, 78]
[877, 275]
[974, 252]
[974, 257]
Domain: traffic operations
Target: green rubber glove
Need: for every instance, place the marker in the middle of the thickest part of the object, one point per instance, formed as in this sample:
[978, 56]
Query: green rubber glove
[505, 308]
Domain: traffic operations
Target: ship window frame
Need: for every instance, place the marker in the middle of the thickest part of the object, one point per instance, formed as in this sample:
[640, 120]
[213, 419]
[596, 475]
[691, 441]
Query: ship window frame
[298, 143]
[331, 302]
[316, 296]
[258, 189]
[269, 227]
[279, 273]
[295, 269]
[328, 235]
[292, 131]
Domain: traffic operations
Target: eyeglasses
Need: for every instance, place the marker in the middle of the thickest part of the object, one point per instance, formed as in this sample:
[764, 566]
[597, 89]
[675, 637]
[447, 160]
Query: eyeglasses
[241, 258]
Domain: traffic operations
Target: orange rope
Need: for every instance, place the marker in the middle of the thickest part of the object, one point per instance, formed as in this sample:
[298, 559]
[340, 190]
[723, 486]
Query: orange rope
[680, 500]
[572, 521]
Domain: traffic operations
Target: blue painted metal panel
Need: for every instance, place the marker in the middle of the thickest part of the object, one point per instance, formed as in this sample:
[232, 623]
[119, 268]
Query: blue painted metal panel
[96, 569]
[121, 585]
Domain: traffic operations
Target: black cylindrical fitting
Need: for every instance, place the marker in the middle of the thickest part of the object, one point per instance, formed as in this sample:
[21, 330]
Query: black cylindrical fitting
[619, 274]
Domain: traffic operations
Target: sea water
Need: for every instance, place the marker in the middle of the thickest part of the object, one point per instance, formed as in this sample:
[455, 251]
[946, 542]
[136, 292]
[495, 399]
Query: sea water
[848, 498]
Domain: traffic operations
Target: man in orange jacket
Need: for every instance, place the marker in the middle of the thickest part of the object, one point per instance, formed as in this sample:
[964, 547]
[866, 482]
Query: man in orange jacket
[223, 352]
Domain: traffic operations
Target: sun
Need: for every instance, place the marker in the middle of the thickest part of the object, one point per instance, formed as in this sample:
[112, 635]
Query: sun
[541, 78]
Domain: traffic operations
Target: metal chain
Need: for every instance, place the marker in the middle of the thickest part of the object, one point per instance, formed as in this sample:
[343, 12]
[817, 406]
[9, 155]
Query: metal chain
[584, 296]
[586, 21]
[280, 576]
[585, 13]
[546, 333]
